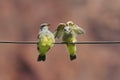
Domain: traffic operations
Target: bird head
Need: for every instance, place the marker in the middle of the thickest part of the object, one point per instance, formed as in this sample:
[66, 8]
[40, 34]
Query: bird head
[67, 29]
[44, 26]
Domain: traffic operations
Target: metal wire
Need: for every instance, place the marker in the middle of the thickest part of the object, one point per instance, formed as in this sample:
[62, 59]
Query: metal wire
[81, 42]
[18, 42]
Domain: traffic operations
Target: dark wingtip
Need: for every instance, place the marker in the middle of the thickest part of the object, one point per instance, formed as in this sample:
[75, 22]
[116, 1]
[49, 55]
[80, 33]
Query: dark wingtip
[41, 58]
[72, 57]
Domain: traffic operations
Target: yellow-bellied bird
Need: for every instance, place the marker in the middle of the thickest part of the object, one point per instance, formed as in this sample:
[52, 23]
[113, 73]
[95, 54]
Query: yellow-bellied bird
[70, 37]
[78, 30]
[45, 41]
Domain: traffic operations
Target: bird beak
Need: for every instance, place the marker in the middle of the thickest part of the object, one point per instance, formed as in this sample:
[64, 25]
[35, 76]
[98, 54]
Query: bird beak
[48, 25]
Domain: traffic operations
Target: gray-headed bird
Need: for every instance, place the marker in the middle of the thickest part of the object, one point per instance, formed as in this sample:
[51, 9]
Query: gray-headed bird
[75, 28]
[70, 37]
[45, 41]
[59, 31]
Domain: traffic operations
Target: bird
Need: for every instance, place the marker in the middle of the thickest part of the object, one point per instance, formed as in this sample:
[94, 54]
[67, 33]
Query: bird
[68, 32]
[59, 31]
[45, 41]
[78, 30]
[69, 38]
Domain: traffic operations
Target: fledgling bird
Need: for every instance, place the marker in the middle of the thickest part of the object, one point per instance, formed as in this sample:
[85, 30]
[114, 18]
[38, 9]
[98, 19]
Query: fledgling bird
[59, 31]
[78, 30]
[70, 37]
[45, 41]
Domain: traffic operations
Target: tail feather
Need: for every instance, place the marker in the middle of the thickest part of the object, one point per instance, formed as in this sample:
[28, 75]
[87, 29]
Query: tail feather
[72, 57]
[41, 58]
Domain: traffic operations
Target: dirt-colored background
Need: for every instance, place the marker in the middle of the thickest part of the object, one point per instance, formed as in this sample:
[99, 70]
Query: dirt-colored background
[20, 20]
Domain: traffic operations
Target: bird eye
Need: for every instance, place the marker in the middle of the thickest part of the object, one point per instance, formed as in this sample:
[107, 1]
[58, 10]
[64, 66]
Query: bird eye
[65, 30]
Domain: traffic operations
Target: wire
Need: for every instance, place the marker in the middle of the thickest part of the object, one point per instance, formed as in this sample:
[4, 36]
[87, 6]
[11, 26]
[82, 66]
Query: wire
[18, 42]
[82, 42]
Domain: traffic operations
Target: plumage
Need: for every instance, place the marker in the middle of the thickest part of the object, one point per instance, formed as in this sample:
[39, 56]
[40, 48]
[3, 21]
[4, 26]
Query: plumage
[68, 32]
[45, 41]
[69, 37]
[59, 31]
[78, 30]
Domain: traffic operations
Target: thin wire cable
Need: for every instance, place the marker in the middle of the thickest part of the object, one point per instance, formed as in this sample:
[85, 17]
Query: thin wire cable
[18, 42]
[82, 42]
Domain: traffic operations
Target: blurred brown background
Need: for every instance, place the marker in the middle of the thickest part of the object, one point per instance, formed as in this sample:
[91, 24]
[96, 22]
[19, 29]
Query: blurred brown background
[20, 20]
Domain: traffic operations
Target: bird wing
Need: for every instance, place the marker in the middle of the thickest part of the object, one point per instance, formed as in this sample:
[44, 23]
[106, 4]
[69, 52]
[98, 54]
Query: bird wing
[75, 28]
[59, 31]
[78, 30]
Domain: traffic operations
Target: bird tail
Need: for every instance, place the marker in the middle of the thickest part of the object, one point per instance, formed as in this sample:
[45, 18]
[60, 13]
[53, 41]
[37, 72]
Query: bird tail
[41, 58]
[72, 57]
[72, 50]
